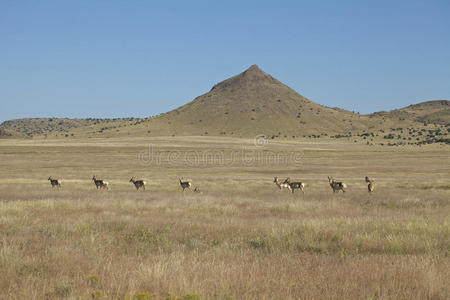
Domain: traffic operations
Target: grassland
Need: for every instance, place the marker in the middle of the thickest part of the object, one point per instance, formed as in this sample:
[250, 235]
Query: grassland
[240, 238]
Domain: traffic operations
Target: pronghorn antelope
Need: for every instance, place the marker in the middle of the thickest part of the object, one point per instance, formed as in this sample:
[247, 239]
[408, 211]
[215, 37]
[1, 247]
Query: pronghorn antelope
[138, 183]
[336, 185]
[185, 184]
[100, 183]
[54, 182]
[295, 185]
[282, 185]
[370, 186]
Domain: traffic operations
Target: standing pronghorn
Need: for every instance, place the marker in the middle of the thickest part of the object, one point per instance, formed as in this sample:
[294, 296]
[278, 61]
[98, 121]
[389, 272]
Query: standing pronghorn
[371, 185]
[337, 185]
[185, 184]
[54, 182]
[138, 183]
[100, 183]
[282, 185]
[295, 185]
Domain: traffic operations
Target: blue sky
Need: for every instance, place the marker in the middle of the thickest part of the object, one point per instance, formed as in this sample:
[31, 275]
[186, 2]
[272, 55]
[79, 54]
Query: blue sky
[141, 58]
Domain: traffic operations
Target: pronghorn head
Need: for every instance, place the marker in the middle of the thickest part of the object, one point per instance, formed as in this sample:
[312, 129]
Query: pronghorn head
[94, 178]
[275, 179]
[50, 178]
[132, 179]
[330, 179]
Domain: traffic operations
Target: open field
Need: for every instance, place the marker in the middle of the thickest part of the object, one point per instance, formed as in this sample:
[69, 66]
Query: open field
[240, 238]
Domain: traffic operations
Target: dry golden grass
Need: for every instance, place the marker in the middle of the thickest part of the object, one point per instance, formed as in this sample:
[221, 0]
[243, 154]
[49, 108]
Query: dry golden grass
[241, 238]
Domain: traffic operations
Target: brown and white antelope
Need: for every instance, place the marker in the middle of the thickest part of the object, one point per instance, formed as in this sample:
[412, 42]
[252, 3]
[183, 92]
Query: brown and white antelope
[371, 185]
[282, 185]
[54, 182]
[337, 185]
[185, 185]
[100, 183]
[297, 185]
[138, 183]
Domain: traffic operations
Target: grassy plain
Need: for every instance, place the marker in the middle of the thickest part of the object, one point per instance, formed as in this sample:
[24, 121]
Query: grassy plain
[240, 238]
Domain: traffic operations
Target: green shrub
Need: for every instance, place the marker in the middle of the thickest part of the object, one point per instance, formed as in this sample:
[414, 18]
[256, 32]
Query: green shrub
[191, 297]
[93, 280]
[142, 296]
[98, 294]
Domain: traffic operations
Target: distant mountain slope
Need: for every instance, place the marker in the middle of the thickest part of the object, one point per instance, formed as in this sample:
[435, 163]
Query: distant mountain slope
[4, 133]
[40, 126]
[436, 111]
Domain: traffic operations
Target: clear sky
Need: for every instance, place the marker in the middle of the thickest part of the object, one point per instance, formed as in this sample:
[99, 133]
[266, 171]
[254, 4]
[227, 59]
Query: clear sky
[140, 58]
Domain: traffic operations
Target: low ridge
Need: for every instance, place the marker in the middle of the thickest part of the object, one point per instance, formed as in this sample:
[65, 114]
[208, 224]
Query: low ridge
[435, 111]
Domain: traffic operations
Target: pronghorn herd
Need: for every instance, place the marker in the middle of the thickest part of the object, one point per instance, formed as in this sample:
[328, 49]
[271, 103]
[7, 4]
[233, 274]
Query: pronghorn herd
[336, 186]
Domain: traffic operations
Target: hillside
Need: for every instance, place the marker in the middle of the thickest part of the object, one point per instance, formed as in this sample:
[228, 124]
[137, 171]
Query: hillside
[436, 111]
[40, 126]
[4, 133]
[250, 104]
